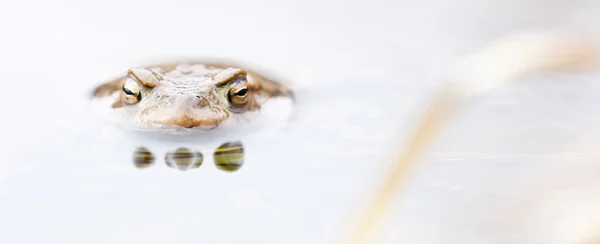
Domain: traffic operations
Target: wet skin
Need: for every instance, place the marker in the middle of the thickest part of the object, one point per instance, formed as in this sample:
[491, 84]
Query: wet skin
[188, 94]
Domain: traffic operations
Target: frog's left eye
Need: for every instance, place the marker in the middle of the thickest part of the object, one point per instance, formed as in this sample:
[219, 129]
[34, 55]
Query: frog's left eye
[131, 92]
[238, 93]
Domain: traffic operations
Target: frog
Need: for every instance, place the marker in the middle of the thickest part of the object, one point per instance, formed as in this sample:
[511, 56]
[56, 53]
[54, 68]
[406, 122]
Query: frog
[188, 94]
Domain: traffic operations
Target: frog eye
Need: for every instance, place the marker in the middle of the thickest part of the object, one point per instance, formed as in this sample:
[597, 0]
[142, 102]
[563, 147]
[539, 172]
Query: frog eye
[238, 93]
[131, 92]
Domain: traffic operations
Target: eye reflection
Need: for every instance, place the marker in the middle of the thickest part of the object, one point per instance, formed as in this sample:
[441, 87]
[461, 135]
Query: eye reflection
[198, 160]
[143, 158]
[229, 156]
[184, 159]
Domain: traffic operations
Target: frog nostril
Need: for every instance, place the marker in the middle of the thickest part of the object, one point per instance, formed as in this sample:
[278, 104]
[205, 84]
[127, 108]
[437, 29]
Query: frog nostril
[201, 101]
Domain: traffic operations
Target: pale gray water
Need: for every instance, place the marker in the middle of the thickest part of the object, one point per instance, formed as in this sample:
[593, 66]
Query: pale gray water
[517, 166]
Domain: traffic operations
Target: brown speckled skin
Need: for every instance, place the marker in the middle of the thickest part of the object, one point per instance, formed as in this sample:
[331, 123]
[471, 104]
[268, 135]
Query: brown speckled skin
[190, 94]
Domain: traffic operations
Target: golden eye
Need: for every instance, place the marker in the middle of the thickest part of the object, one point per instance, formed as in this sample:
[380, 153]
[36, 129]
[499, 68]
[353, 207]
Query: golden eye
[131, 92]
[238, 94]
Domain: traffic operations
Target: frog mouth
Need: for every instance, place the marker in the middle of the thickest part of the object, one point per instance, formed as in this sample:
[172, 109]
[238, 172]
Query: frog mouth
[201, 117]
[188, 122]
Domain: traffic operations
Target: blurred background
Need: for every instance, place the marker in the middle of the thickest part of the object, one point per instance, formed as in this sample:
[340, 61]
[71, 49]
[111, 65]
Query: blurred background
[518, 165]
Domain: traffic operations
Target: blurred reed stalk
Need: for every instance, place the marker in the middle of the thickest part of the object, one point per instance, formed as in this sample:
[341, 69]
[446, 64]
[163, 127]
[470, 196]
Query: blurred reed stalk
[522, 53]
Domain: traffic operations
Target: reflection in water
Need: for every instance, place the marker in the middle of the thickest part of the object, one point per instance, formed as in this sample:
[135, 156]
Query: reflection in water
[142, 158]
[168, 161]
[184, 159]
[229, 156]
[198, 160]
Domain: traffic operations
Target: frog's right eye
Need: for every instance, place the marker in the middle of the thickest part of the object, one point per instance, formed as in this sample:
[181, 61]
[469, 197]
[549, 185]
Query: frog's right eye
[131, 91]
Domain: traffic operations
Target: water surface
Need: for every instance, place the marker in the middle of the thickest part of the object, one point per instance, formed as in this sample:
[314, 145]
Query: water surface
[516, 166]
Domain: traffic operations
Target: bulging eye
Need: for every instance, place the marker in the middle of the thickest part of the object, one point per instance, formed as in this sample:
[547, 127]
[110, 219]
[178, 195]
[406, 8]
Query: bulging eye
[238, 93]
[131, 92]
